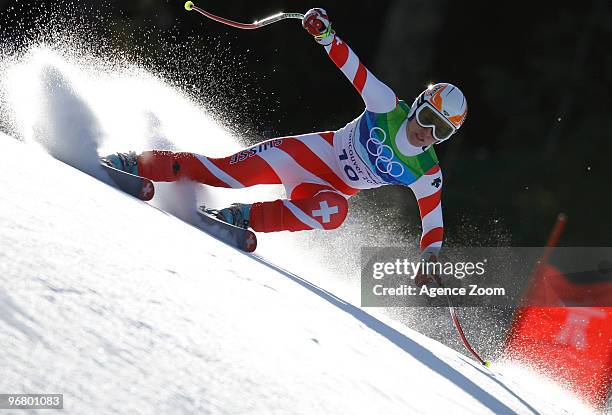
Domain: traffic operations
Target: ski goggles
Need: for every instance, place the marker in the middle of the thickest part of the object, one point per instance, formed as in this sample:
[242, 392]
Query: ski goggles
[428, 116]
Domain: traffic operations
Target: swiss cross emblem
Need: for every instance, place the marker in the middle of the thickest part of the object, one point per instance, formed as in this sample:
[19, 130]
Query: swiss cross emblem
[325, 212]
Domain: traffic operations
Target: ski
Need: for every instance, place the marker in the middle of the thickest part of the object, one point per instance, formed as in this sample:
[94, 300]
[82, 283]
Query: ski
[137, 186]
[240, 238]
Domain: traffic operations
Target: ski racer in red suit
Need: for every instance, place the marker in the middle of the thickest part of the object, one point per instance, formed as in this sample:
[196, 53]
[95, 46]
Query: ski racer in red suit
[390, 143]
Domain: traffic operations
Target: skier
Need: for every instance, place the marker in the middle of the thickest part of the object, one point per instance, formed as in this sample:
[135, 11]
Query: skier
[389, 143]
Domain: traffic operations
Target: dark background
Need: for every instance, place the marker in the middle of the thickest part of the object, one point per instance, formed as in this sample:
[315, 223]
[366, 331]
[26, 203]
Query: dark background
[537, 78]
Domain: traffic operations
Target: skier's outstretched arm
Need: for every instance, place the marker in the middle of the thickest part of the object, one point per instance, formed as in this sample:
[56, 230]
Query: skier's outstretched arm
[377, 96]
[428, 189]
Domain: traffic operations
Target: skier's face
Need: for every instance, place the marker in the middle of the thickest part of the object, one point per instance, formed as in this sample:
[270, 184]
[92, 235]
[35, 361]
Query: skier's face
[419, 136]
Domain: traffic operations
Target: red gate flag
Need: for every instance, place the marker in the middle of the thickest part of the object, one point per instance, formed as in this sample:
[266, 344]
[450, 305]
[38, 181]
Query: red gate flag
[571, 344]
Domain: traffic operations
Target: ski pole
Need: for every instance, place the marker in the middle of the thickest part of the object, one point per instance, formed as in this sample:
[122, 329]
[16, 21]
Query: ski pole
[466, 343]
[189, 6]
[457, 323]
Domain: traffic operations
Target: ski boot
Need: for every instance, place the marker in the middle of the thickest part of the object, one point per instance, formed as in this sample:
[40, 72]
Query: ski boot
[237, 214]
[127, 162]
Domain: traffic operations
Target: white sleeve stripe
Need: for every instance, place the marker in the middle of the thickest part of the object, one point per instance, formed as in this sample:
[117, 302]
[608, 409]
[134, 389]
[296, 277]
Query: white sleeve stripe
[378, 96]
[432, 220]
[302, 216]
[435, 243]
[433, 247]
[220, 174]
[423, 186]
[350, 67]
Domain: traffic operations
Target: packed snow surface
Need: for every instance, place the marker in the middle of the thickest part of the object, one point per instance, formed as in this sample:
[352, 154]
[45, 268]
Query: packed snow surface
[126, 309]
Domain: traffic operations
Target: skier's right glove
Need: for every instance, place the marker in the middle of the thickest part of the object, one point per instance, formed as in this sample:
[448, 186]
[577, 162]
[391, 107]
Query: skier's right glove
[316, 22]
[424, 278]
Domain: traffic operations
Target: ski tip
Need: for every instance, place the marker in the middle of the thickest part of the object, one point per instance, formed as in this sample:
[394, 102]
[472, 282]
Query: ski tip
[487, 363]
[250, 242]
[137, 186]
[147, 190]
[239, 238]
[189, 6]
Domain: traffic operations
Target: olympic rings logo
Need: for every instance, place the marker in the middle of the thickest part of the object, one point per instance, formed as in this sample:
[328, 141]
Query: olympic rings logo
[384, 155]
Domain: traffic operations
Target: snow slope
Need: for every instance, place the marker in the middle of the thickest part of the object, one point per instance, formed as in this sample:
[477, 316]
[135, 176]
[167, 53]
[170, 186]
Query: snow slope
[126, 309]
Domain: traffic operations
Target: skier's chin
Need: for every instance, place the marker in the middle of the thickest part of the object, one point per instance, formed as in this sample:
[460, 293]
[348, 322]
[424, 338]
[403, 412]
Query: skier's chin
[416, 140]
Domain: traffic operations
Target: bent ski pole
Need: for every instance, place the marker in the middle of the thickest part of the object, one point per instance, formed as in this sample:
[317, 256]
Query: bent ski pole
[455, 317]
[466, 343]
[189, 6]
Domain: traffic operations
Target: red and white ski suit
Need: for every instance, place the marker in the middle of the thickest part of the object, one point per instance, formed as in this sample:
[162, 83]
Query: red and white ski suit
[312, 167]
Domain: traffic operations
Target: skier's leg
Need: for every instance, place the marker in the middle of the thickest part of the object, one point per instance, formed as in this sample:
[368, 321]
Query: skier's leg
[317, 198]
[287, 160]
[167, 166]
[305, 164]
[315, 207]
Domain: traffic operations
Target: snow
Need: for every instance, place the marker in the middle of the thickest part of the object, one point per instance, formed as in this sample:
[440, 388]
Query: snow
[125, 308]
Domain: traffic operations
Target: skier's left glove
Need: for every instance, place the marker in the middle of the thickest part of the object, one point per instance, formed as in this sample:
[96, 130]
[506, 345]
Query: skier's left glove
[316, 22]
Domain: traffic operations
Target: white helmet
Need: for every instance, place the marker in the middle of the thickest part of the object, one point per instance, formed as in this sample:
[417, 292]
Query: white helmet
[441, 106]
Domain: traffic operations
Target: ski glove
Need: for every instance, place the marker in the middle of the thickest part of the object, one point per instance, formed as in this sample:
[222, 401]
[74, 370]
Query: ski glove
[316, 22]
[425, 278]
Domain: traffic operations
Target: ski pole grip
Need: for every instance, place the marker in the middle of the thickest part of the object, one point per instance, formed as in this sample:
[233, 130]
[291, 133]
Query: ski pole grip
[189, 6]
